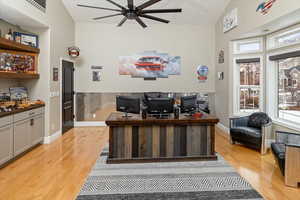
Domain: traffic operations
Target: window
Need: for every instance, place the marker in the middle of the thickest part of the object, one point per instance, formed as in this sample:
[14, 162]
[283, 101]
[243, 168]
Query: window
[249, 85]
[289, 89]
[247, 76]
[284, 38]
[248, 46]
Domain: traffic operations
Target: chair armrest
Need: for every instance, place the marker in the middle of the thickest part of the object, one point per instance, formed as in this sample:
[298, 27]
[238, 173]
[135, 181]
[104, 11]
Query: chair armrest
[293, 145]
[266, 137]
[239, 121]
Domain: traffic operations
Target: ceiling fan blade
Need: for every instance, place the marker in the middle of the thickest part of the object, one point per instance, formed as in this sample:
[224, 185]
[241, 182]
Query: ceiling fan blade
[118, 5]
[130, 4]
[123, 21]
[161, 11]
[147, 4]
[155, 18]
[140, 22]
[86, 6]
[96, 18]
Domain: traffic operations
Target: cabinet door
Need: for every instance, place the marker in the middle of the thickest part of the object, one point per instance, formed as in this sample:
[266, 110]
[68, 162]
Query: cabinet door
[37, 129]
[6, 143]
[21, 137]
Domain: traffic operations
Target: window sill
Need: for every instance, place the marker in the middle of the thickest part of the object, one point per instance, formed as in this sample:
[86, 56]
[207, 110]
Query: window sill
[287, 124]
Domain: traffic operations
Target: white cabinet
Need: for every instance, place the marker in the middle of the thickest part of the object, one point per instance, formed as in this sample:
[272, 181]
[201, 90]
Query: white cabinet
[37, 129]
[20, 132]
[6, 143]
[21, 136]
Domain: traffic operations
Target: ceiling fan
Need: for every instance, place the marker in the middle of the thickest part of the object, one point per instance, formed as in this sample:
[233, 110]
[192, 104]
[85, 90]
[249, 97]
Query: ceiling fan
[132, 12]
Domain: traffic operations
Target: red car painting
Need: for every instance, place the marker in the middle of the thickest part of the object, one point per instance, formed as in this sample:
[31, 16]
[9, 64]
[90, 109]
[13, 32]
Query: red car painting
[151, 63]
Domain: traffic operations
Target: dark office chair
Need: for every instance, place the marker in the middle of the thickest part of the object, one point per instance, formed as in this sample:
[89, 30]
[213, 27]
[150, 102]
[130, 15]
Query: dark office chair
[252, 131]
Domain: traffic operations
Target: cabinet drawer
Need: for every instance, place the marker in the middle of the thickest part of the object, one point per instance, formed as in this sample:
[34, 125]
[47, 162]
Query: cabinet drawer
[6, 121]
[28, 114]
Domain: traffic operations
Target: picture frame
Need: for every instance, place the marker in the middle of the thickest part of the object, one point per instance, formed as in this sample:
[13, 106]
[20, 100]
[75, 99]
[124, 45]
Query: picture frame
[26, 39]
[220, 76]
[230, 20]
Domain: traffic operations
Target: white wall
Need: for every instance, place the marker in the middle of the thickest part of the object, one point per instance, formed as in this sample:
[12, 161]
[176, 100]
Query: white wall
[102, 44]
[62, 36]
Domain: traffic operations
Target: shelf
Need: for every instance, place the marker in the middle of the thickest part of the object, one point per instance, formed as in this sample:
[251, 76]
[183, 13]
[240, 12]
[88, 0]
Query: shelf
[15, 46]
[13, 75]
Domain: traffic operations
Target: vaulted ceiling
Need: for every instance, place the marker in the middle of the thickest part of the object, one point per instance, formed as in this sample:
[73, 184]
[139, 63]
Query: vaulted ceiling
[195, 12]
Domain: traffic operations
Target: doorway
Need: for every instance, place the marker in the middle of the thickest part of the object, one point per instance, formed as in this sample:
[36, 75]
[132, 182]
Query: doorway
[67, 96]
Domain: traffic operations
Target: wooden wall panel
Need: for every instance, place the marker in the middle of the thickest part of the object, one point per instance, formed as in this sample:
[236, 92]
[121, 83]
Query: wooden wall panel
[163, 140]
[170, 141]
[292, 166]
[155, 141]
[128, 142]
[203, 140]
[118, 137]
[145, 141]
[135, 141]
[180, 141]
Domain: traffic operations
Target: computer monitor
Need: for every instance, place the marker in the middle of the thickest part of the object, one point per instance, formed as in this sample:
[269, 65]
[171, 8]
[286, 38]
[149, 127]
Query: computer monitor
[188, 104]
[160, 106]
[128, 105]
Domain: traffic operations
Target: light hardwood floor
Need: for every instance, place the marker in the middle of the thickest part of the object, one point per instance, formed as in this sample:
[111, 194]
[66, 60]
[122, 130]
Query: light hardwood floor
[57, 171]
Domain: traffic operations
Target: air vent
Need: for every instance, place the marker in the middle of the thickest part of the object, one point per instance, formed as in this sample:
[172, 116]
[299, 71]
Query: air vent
[39, 4]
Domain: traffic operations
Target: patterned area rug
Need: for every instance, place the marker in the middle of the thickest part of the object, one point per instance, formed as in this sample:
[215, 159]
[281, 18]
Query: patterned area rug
[172, 181]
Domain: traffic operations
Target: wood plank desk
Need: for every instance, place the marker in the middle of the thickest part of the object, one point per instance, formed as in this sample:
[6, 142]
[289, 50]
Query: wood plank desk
[156, 140]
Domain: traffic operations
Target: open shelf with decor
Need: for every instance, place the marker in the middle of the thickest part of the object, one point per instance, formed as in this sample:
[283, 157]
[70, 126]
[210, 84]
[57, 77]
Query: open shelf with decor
[18, 61]
[15, 46]
[17, 75]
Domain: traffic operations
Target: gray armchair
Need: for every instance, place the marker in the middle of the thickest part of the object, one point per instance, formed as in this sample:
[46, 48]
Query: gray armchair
[286, 150]
[253, 131]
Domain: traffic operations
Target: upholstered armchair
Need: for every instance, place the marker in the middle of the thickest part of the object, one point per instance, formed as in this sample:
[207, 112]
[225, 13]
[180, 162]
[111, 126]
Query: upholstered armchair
[286, 150]
[253, 131]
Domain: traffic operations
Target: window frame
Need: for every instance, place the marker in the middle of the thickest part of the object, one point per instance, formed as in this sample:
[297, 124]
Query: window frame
[271, 38]
[272, 95]
[238, 43]
[236, 84]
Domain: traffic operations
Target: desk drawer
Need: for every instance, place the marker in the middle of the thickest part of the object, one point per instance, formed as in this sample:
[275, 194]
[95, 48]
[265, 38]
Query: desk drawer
[6, 121]
[28, 114]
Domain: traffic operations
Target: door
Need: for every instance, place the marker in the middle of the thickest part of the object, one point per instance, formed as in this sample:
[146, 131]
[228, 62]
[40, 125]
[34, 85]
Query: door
[67, 96]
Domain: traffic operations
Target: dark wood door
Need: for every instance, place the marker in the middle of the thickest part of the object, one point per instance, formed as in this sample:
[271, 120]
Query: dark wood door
[67, 96]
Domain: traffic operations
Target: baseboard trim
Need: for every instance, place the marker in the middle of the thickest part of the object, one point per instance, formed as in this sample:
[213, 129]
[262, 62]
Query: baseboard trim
[224, 131]
[223, 128]
[52, 138]
[89, 124]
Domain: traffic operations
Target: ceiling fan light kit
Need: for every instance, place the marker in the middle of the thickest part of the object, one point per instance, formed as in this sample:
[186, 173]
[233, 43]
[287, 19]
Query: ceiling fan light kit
[131, 12]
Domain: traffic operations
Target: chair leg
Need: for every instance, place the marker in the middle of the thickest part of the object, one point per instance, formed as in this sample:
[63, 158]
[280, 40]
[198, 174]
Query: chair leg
[292, 166]
[263, 150]
[232, 141]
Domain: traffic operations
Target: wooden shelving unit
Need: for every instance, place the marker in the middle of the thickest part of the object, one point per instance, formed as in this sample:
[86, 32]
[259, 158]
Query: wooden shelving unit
[15, 46]
[14, 75]
[12, 46]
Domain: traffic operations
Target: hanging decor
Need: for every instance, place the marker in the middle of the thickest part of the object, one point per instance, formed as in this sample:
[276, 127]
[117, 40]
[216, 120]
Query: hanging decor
[74, 52]
[202, 72]
[265, 7]
[230, 21]
[96, 73]
[220, 76]
[150, 65]
[221, 57]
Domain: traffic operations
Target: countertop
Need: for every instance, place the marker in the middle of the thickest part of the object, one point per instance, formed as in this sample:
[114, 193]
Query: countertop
[4, 114]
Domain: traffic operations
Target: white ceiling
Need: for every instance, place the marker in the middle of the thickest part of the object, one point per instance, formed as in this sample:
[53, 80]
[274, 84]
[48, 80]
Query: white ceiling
[194, 11]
